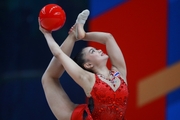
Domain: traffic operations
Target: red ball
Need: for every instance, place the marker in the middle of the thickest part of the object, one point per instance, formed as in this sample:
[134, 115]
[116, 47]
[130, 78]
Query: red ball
[52, 17]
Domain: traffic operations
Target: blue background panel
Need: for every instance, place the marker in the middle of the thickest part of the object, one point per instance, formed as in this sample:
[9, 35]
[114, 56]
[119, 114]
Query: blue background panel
[173, 53]
[173, 105]
[174, 32]
[100, 6]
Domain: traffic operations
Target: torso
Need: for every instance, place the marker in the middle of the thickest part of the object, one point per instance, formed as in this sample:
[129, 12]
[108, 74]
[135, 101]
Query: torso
[109, 99]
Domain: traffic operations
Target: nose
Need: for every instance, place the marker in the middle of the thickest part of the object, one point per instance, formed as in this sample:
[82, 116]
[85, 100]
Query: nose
[99, 51]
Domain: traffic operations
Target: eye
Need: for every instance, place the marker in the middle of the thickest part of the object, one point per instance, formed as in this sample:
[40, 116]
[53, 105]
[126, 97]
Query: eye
[92, 51]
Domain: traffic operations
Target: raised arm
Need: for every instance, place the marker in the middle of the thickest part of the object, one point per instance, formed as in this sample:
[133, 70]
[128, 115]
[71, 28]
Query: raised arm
[79, 75]
[113, 50]
[55, 68]
[76, 72]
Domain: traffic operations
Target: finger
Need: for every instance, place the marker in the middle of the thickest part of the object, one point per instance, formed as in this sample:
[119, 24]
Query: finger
[38, 19]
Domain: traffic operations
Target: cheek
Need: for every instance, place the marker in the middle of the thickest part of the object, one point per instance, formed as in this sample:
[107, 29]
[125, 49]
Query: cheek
[93, 57]
[98, 58]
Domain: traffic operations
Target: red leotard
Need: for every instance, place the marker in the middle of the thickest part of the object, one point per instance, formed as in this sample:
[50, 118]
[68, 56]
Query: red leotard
[104, 103]
[109, 104]
[79, 113]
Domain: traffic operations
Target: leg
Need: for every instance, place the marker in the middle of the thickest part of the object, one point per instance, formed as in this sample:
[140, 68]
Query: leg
[92, 36]
[79, 25]
[59, 102]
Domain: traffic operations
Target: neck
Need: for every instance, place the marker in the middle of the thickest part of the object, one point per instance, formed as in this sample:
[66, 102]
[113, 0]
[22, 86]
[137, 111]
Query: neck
[103, 71]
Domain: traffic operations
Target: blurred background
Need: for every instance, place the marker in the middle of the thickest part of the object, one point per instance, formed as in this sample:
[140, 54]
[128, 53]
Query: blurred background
[148, 33]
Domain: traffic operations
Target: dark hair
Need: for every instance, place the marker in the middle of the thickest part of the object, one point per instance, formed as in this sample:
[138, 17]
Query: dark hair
[79, 59]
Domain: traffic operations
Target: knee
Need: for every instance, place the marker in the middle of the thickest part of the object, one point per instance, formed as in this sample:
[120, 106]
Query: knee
[43, 78]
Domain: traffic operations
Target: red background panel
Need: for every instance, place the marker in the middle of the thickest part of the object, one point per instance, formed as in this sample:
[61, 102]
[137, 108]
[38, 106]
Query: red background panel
[140, 28]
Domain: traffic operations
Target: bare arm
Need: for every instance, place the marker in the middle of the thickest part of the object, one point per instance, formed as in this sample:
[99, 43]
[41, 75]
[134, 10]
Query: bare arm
[79, 75]
[55, 68]
[113, 50]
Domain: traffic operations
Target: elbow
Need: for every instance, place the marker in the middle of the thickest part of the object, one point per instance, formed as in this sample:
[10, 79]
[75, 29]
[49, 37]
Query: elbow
[109, 37]
[56, 54]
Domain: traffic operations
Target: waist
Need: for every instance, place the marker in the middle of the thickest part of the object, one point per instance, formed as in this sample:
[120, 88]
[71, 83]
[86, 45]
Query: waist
[111, 107]
[108, 113]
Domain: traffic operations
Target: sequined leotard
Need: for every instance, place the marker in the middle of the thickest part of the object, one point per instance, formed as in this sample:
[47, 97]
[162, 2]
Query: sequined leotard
[106, 104]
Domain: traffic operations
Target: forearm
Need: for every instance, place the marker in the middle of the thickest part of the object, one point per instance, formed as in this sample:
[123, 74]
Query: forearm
[100, 37]
[53, 46]
[55, 68]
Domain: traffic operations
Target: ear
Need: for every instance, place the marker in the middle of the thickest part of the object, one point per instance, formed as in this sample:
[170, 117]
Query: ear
[88, 65]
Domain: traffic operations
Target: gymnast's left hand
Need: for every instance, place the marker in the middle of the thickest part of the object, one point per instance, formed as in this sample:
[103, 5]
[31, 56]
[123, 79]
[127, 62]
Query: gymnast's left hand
[44, 31]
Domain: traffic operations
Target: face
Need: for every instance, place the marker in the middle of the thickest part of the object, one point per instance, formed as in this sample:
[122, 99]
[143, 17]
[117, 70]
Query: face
[94, 56]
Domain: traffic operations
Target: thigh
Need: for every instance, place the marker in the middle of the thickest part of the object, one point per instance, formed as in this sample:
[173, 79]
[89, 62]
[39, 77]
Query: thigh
[58, 101]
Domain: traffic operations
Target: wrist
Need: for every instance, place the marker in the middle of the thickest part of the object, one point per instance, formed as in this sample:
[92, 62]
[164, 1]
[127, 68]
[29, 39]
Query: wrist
[47, 34]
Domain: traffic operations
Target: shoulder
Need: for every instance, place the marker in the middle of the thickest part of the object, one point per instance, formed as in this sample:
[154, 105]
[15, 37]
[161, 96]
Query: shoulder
[91, 79]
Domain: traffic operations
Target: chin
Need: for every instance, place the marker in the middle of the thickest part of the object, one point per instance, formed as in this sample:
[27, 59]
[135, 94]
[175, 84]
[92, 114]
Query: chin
[106, 56]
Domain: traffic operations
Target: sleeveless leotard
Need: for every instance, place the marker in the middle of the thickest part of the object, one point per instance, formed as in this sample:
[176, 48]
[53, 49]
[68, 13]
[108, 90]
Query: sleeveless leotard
[106, 104]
